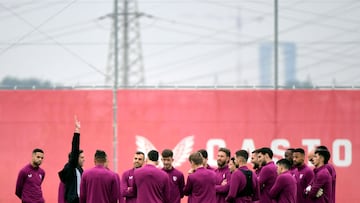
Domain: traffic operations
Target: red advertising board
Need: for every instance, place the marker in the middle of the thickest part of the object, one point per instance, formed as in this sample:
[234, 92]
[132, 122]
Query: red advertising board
[182, 120]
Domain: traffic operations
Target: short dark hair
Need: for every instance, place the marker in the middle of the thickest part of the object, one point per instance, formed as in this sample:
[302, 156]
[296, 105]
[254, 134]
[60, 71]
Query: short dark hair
[225, 150]
[196, 157]
[37, 150]
[140, 153]
[256, 151]
[324, 153]
[242, 153]
[167, 153]
[322, 147]
[232, 159]
[300, 150]
[100, 156]
[204, 153]
[153, 155]
[284, 162]
[266, 150]
[290, 149]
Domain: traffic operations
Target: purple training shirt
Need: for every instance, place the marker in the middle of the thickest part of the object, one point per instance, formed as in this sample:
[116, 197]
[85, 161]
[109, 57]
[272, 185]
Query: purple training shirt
[177, 184]
[28, 185]
[200, 186]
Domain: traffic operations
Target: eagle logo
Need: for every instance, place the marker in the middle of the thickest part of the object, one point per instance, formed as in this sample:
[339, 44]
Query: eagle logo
[181, 151]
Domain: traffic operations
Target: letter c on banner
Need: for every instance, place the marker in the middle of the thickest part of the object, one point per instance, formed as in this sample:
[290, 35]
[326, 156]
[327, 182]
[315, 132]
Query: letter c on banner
[337, 145]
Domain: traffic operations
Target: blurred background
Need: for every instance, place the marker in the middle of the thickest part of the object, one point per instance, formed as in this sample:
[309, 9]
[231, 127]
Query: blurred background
[46, 44]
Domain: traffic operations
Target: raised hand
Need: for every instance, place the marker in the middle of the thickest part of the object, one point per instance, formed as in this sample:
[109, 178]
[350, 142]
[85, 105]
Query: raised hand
[77, 124]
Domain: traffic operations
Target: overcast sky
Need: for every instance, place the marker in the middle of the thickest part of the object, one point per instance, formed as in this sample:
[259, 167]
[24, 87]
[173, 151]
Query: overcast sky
[183, 42]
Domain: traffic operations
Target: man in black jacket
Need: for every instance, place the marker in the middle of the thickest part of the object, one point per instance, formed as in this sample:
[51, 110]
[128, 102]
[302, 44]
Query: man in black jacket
[71, 174]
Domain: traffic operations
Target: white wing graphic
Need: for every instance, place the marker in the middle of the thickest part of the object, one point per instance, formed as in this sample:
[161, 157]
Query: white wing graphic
[143, 144]
[182, 150]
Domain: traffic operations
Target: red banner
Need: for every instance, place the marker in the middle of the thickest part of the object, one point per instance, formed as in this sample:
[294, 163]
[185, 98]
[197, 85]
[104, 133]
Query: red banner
[182, 120]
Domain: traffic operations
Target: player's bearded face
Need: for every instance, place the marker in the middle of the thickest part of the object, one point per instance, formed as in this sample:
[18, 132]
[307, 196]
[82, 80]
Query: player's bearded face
[37, 158]
[138, 160]
[222, 159]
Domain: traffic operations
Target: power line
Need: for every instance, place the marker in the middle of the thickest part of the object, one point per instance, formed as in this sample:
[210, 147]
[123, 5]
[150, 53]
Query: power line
[295, 27]
[65, 33]
[56, 43]
[213, 54]
[179, 31]
[206, 75]
[34, 28]
[327, 59]
[321, 20]
[326, 49]
[22, 8]
[67, 30]
[51, 38]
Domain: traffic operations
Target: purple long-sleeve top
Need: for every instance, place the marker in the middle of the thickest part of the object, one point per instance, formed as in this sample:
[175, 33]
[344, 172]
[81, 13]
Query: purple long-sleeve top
[177, 183]
[151, 185]
[61, 193]
[284, 188]
[266, 179]
[322, 179]
[304, 177]
[237, 185]
[200, 186]
[222, 190]
[28, 184]
[118, 182]
[127, 186]
[99, 184]
[332, 172]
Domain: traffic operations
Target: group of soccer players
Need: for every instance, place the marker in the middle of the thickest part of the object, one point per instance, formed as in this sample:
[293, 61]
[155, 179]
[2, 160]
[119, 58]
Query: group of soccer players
[289, 180]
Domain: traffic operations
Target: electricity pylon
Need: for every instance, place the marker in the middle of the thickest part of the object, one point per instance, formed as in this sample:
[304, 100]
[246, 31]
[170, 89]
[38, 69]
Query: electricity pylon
[125, 44]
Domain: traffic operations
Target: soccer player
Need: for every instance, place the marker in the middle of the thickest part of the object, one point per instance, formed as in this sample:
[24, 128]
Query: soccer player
[70, 175]
[255, 162]
[332, 172]
[243, 183]
[176, 177]
[284, 188]
[233, 165]
[127, 179]
[30, 178]
[267, 175]
[204, 154]
[289, 153]
[311, 156]
[320, 189]
[200, 184]
[61, 193]
[304, 175]
[99, 184]
[222, 174]
[152, 184]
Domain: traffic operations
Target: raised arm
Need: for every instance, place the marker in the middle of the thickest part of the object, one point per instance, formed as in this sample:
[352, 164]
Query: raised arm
[77, 125]
[75, 146]
[66, 173]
